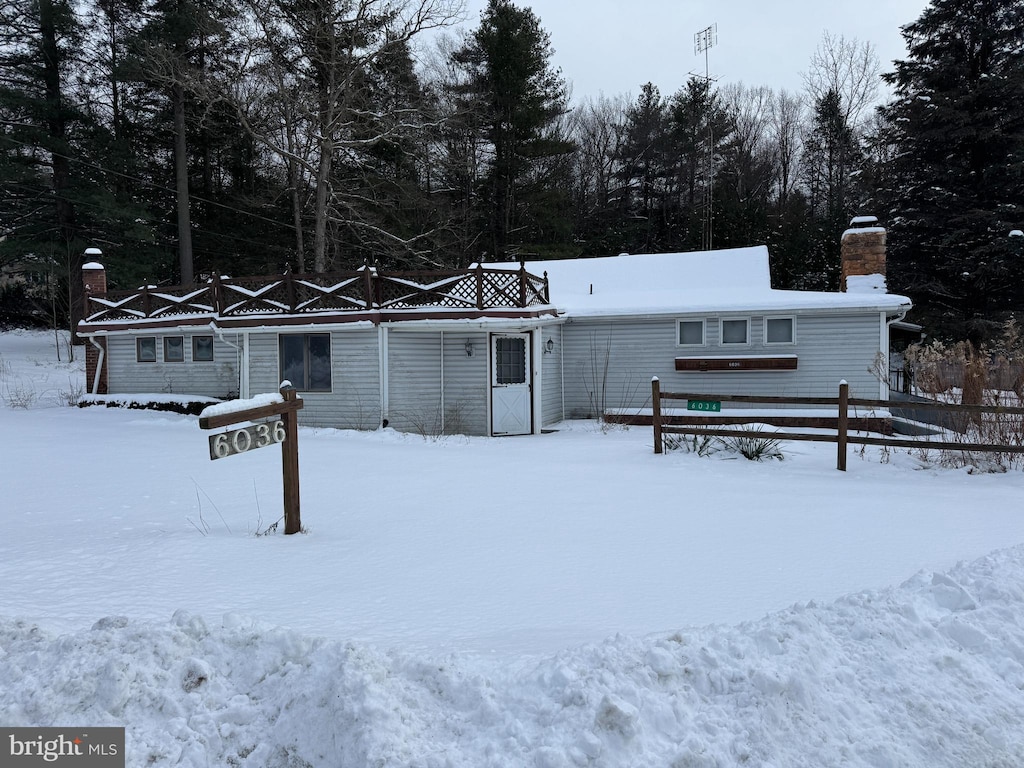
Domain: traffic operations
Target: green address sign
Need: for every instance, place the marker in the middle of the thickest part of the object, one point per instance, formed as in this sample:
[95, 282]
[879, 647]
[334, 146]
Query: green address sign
[710, 406]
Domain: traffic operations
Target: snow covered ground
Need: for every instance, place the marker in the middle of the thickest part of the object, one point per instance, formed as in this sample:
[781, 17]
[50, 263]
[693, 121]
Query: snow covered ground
[563, 600]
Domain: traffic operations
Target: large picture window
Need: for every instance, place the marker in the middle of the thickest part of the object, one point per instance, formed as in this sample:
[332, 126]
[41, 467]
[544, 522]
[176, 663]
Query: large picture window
[305, 360]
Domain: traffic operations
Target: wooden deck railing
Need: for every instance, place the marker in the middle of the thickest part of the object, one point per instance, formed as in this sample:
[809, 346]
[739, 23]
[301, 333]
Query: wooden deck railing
[841, 436]
[365, 289]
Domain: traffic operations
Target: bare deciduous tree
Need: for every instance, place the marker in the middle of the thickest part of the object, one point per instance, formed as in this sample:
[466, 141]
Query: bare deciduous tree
[325, 56]
[786, 117]
[848, 67]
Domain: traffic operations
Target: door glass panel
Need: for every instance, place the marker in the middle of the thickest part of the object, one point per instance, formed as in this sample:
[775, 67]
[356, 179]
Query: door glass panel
[509, 360]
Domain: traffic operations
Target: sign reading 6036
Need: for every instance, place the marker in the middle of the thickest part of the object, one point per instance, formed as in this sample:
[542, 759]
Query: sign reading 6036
[246, 439]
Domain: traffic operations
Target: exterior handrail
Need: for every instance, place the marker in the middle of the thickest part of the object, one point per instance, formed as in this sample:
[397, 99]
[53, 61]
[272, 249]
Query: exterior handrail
[479, 288]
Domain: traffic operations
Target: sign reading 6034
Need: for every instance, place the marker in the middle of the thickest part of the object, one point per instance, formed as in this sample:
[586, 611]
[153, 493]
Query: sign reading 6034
[246, 439]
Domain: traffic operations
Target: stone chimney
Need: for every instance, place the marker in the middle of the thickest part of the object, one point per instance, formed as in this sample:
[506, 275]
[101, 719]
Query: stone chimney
[94, 283]
[862, 253]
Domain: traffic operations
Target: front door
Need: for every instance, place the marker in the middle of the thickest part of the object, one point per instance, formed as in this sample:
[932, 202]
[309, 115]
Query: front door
[511, 400]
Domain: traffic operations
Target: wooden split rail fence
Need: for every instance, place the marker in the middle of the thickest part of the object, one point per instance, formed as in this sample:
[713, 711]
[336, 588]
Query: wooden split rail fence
[961, 413]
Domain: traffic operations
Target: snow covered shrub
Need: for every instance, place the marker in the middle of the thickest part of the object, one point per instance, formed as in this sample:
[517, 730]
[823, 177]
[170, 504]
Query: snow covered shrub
[755, 448]
[702, 445]
[70, 396]
[15, 393]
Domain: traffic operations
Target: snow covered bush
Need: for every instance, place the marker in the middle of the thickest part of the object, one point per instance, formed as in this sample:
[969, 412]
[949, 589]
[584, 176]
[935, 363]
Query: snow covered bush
[753, 447]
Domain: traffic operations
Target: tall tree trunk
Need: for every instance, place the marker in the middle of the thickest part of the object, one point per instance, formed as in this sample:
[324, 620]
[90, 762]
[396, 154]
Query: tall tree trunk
[181, 177]
[293, 183]
[323, 175]
[56, 128]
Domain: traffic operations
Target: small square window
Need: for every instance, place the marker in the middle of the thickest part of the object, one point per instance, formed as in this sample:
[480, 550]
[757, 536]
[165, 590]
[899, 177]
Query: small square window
[174, 349]
[202, 349]
[145, 350]
[735, 331]
[691, 332]
[778, 330]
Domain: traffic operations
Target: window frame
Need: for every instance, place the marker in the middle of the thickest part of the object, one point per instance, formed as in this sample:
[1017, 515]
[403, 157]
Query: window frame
[703, 333]
[139, 356]
[195, 357]
[303, 386]
[721, 332]
[167, 357]
[792, 331]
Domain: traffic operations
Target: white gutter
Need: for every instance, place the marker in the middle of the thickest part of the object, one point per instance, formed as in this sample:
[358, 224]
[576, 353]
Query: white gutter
[497, 325]
[441, 334]
[561, 366]
[382, 369]
[241, 357]
[99, 363]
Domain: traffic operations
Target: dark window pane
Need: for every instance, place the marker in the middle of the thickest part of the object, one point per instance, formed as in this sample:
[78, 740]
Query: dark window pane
[293, 364]
[779, 330]
[510, 360]
[202, 348]
[174, 349]
[691, 332]
[319, 346]
[145, 350]
[734, 331]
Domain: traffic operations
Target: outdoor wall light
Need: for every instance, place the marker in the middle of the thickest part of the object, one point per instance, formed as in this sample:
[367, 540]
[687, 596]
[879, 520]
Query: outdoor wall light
[469, 348]
[549, 346]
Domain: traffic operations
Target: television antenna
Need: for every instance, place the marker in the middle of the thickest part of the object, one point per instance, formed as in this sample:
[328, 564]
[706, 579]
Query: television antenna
[702, 41]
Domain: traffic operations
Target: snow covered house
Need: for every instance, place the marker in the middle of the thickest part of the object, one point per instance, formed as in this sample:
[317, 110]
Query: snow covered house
[499, 349]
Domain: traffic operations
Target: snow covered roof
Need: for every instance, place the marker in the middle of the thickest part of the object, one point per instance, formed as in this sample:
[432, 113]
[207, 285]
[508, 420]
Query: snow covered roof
[728, 280]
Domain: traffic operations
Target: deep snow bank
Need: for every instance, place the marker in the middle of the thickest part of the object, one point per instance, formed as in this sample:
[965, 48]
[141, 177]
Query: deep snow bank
[927, 674]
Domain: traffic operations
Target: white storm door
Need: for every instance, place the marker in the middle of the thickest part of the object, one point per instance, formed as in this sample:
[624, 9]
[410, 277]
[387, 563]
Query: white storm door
[511, 400]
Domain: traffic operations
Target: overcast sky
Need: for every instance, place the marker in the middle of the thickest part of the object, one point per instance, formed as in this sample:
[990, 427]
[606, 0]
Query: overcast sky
[615, 46]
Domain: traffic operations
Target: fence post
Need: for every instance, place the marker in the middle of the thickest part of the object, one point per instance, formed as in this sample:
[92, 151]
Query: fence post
[522, 283]
[656, 413]
[290, 465]
[844, 396]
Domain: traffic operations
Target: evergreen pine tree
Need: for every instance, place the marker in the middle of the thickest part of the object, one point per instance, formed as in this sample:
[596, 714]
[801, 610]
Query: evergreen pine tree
[516, 99]
[957, 180]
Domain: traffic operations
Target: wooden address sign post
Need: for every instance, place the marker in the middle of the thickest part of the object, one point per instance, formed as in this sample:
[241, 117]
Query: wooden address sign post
[284, 431]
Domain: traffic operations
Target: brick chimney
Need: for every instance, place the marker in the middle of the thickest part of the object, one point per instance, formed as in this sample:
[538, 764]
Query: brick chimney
[862, 254]
[94, 283]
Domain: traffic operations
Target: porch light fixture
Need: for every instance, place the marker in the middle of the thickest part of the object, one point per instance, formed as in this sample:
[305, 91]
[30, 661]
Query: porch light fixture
[549, 346]
[469, 348]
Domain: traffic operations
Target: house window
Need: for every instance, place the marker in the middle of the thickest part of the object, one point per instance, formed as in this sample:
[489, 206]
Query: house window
[778, 330]
[305, 360]
[202, 349]
[145, 350]
[736, 331]
[174, 349]
[509, 360]
[691, 333]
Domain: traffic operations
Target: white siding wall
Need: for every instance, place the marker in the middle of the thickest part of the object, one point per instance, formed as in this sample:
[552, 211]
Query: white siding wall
[125, 375]
[610, 364]
[414, 381]
[551, 376]
[353, 403]
[419, 401]
[466, 387]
